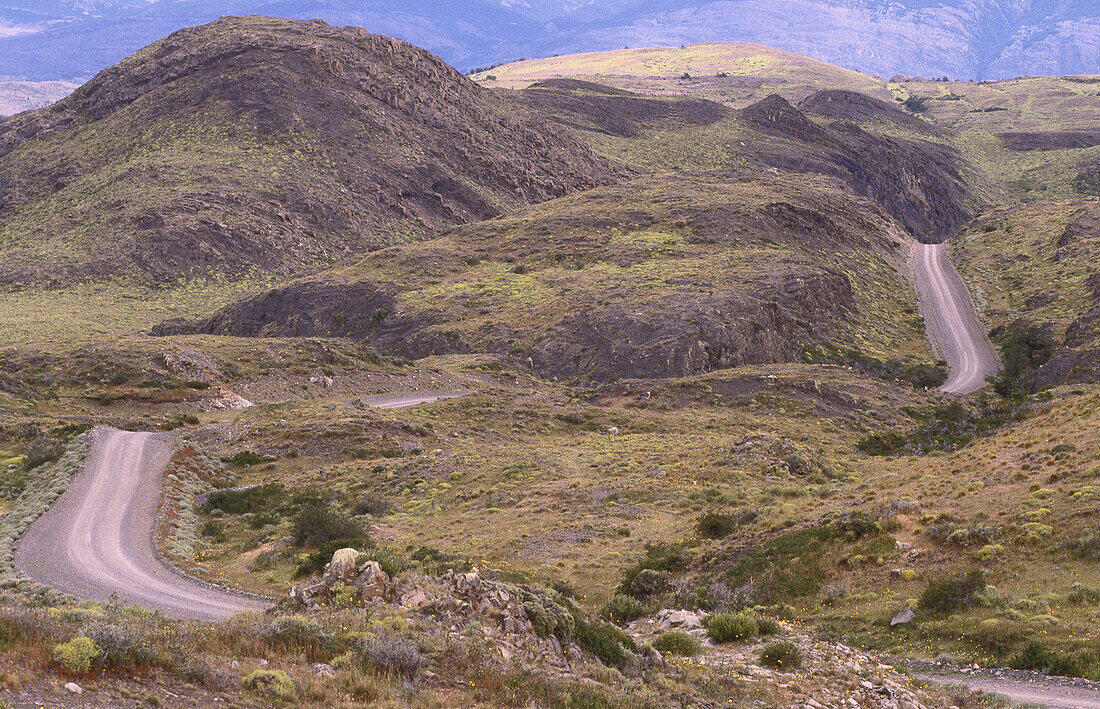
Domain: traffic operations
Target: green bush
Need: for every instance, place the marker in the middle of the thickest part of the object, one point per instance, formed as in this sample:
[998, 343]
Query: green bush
[731, 627]
[953, 593]
[768, 626]
[275, 683]
[77, 655]
[650, 582]
[42, 450]
[314, 525]
[244, 458]
[261, 498]
[781, 654]
[611, 645]
[389, 561]
[620, 609]
[658, 557]
[715, 525]
[677, 642]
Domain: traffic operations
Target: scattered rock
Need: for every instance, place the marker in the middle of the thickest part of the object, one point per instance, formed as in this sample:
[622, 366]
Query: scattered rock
[74, 688]
[906, 616]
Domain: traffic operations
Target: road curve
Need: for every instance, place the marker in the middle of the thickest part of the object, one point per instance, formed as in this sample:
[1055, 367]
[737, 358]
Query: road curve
[401, 401]
[952, 323]
[1051, 692]
[96, 540]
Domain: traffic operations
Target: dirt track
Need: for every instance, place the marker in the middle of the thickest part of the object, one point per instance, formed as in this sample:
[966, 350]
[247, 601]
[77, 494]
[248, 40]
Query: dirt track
[952, 323]
[96, 541]
[1052, 692]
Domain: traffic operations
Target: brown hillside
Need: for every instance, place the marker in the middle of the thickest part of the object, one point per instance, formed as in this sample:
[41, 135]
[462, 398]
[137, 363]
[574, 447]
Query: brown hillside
[256, 144]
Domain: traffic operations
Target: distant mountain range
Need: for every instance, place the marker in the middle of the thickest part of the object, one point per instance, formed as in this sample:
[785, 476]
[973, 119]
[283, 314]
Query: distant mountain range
[962, 39]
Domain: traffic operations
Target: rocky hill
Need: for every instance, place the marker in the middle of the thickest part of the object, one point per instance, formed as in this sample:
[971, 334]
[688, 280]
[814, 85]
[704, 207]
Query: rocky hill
[658, 277]
[265, 146]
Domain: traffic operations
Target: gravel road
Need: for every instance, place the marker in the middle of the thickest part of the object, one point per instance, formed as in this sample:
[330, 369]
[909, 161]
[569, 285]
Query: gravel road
[96, 540]
[953, 326]
[400, 401]
[1023, 687]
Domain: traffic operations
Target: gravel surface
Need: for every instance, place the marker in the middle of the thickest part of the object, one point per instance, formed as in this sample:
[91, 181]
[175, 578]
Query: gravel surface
[96, 541]
[951, 320]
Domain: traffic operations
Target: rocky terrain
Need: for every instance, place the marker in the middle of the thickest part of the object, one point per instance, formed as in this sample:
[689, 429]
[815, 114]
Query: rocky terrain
[607, 389]
[266, 147]
[656, 277]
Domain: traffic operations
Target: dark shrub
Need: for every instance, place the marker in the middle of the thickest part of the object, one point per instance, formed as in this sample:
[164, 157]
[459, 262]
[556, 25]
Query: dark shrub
[314, 525]
[261, 498]
[42, 450]
[649, 582]
[781, 654]
[213, 531]
[715, 525]
[953, 593]
[371, 505]
[259, 520]
[658, 557]
[244, 458]
[118, 646]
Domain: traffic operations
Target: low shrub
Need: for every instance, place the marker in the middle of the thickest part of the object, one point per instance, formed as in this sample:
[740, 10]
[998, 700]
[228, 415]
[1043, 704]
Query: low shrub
[296, 631]
[42, 450]
[391, 653]
[388, 560]
[274, 683]
[77, 655]
[953, 593]
[731, 627]
[119, 647]
[715, 525]
[650, 582]
[315, 525]
[620, 609]
[781, 654]
[768, 626]
[244, 458]
[677, 642]
[658, 557]
[262, 498]
[371, 505]
[609, 644]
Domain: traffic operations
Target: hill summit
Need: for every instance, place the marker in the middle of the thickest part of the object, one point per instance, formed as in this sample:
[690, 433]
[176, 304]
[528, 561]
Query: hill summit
[269, 146]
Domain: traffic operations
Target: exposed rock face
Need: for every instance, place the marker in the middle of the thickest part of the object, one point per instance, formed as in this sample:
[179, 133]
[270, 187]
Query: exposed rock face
[256, 144]
[853, 106]
[916, 182]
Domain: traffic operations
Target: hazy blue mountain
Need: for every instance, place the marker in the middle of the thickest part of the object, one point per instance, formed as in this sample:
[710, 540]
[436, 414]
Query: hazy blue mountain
[67, 39]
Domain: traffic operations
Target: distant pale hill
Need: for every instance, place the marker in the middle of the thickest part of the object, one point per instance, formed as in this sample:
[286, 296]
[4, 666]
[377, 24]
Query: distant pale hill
[17, 96]
[738, 73]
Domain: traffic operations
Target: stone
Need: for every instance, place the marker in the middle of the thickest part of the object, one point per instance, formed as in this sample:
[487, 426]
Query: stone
[74, 688]
[906, 616]
[342, 565]
[322, 669]
[678, 619]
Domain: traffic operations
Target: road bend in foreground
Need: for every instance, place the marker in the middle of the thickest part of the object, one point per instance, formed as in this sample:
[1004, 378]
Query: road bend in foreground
[96, 540]
[951, 320]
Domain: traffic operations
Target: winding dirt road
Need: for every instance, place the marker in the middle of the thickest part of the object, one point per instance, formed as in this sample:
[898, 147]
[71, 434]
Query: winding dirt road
[401, 401]
[951, 320]
[96, 540]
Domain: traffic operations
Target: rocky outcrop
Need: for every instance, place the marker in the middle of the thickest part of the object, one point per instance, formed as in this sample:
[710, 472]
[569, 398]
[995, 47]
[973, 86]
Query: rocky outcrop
[917, 182]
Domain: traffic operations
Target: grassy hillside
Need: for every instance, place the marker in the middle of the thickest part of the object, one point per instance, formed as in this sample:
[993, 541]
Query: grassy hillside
[735, 73]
